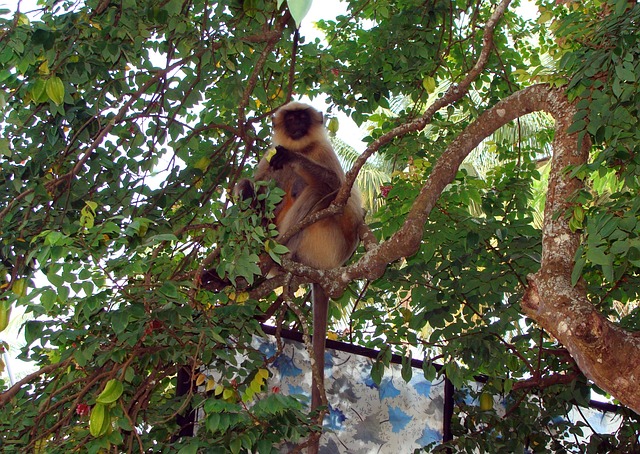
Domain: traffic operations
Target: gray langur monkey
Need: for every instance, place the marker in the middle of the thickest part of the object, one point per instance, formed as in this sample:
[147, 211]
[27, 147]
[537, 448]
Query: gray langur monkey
[307, 169]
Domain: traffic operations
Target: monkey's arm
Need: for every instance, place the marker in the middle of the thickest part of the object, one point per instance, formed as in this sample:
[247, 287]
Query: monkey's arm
[324, 180]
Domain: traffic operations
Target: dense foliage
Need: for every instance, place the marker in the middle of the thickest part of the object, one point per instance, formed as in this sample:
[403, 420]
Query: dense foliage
[125, 124]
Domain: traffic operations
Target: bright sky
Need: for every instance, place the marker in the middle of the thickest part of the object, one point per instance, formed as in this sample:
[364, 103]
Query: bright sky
[330, 9]
[349, 132]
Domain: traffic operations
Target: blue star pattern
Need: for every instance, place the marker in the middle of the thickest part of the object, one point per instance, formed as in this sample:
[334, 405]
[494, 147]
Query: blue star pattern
[363, 417]
[393, 417]
[422, 387]
[286, 367]
[429, 435]
[335, 419]
[369, 383]
[328, 360]
[387, 390]
[268, 349]
[398, 419]
[298, 391]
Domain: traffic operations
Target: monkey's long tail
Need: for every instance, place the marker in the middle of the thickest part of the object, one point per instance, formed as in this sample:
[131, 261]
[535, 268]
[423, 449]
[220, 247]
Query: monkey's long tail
[320, 313]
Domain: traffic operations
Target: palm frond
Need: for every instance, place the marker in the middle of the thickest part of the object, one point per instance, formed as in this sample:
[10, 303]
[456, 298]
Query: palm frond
[373, 174]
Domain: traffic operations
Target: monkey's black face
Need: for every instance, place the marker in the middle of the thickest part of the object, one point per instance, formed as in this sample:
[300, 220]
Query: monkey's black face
[297, 123]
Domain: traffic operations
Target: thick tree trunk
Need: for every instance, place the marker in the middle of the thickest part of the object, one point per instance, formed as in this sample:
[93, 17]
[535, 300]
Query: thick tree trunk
[605, 353]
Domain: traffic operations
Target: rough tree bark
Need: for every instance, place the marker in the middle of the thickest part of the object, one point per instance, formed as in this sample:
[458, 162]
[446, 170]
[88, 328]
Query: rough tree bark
[605, 353]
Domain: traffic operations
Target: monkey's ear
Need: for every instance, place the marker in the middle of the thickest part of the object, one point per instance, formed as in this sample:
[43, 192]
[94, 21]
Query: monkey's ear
[321, 117]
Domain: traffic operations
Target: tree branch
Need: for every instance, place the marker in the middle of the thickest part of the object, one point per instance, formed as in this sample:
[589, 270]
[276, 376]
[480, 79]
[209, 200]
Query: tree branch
[546, 381]
[453, 94]
[6, 396]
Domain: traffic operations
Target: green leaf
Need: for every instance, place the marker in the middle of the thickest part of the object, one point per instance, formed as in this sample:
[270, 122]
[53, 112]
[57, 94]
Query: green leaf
[235, 445]
[43, 37]
[607, 270]
[454, 374]
[626, 73]
[87, 214]
[162, 237]
[169, 289]
[635, 259]
[213, 422]
[265, 446]
[255, 386]
[620, 247]
[4, 143]
[191, 448]
[507, 385]
[263, 374]
[48, 298]
[429, 370]
[32, 331]
[377, 370]
[124, 424]
[598, 256]
[119, 321]
[406, 370]
[576, 274]
[577, 127]
[56, 239]
[299, 9]
[248, 395]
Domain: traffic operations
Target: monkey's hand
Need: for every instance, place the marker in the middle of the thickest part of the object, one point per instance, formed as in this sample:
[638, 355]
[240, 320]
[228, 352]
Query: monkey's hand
[281, 158]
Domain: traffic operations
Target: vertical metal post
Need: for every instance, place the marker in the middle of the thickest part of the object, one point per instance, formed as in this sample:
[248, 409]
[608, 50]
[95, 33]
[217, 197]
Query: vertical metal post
[447, 412]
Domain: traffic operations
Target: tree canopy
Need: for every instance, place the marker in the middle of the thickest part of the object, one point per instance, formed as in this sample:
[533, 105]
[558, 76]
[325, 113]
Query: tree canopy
[125, 125]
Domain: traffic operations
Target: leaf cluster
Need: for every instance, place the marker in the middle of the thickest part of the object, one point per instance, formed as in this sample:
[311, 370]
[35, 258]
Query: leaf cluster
[123, 128]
